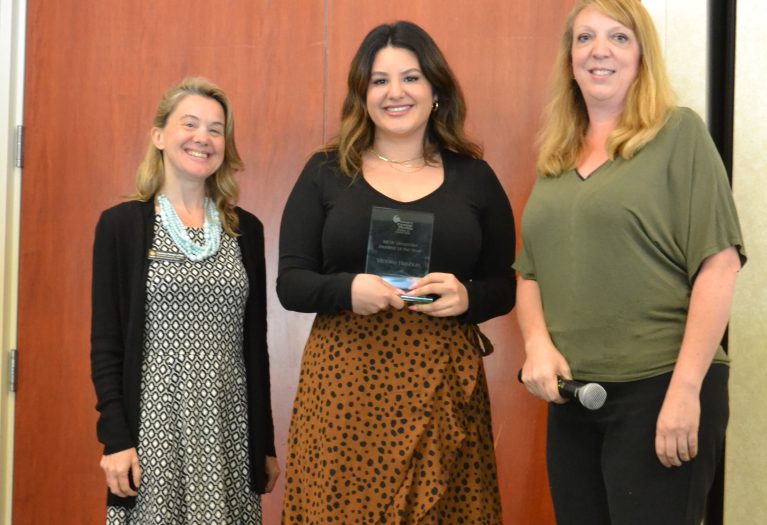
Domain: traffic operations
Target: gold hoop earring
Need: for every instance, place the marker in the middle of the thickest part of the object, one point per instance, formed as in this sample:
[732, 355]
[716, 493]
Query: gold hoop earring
[435, 106]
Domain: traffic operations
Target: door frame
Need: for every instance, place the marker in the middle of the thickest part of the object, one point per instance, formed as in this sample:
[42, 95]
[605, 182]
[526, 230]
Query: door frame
[12, 47]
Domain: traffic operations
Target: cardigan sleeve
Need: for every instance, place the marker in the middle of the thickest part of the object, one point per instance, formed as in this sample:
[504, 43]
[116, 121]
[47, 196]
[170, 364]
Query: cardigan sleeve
[302, 285]
[492, 288]
[257, 330]
[107, 339]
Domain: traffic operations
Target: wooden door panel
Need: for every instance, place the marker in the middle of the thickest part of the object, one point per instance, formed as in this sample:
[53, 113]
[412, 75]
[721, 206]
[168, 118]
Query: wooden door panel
[94, 75]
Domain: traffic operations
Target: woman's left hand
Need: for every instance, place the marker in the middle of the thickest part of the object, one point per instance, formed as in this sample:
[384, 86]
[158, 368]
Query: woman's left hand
[453, 297]
[272, 473]
[676, 433]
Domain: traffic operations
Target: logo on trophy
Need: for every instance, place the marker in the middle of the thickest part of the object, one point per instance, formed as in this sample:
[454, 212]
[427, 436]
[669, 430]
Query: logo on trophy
[399, 246]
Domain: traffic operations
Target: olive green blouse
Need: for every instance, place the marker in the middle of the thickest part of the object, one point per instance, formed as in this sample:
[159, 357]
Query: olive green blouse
[616, 255]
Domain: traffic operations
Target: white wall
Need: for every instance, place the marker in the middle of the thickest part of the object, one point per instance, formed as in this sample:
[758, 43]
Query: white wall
[746, 468]
[682, 27]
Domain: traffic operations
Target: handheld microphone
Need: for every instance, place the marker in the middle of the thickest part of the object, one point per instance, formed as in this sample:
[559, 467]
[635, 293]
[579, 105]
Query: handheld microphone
[590, 395]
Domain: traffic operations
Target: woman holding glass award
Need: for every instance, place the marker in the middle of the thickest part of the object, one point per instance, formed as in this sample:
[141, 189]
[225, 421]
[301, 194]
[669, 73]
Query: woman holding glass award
[400, 238]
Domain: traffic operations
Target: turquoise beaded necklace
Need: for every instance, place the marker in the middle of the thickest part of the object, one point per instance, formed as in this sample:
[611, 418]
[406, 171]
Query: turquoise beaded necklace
[211, 230]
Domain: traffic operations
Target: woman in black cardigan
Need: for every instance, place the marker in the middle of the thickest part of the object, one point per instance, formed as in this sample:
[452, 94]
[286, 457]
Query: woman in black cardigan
[178, 343]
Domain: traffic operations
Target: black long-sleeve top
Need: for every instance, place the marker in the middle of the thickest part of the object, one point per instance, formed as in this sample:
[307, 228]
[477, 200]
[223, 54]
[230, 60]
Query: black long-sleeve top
[325, 227]
[123, 238]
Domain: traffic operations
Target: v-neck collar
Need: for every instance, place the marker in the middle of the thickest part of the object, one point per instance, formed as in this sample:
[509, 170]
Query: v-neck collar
[592, 172]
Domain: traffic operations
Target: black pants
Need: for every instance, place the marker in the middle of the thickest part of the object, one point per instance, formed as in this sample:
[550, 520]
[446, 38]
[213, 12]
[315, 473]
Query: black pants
[602, 464]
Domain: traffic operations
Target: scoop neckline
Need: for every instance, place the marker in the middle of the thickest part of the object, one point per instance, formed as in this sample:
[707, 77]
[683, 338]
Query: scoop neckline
[419, 199]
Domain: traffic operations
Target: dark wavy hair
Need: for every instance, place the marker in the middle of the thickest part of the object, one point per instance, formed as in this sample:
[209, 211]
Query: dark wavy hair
[445, 129]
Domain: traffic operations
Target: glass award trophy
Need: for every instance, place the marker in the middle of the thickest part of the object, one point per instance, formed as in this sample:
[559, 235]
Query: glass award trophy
[399, 246]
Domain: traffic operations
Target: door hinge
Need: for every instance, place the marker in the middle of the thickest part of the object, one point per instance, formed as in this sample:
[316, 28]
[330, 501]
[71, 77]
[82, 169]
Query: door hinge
[19, 146]
[12, 363]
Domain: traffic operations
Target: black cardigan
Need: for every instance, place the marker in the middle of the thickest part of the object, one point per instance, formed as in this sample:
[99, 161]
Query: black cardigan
[124, 235]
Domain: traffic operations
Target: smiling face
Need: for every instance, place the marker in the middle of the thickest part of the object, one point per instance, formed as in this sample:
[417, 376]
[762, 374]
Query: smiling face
[399, 97]
[605, 59]
[192, 140]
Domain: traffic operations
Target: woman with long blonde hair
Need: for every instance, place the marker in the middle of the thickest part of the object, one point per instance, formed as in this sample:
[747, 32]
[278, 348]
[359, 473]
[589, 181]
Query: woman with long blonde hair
[631, 246]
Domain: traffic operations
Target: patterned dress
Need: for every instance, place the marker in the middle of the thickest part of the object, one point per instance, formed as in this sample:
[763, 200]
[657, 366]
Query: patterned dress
[193, 435]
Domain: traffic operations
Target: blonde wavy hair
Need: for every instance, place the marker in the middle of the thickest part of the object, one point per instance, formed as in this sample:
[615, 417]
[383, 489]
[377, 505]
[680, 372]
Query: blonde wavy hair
[649, 101]
[219, 187]
[445, 129]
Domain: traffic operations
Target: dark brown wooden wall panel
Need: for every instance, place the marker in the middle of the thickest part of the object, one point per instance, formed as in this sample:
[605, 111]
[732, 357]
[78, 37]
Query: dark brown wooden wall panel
[95, 71]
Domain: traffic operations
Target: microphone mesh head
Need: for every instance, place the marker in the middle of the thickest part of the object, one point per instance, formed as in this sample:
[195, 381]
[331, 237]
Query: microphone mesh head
[592, 396]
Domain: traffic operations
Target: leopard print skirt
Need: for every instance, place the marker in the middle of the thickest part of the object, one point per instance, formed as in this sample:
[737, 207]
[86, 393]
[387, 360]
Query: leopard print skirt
[391, 424]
